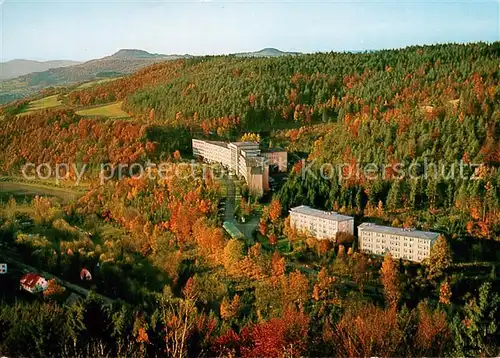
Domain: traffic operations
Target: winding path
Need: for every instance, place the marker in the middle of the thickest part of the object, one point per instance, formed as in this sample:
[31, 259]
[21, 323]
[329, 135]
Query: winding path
[246, 228]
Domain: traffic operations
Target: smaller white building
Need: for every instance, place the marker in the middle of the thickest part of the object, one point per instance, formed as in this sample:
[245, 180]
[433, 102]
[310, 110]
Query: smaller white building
[407, 244]
[320, 224]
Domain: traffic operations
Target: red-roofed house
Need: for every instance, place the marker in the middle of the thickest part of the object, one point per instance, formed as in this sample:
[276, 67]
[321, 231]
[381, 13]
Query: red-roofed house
[33, 282]
[85, 275]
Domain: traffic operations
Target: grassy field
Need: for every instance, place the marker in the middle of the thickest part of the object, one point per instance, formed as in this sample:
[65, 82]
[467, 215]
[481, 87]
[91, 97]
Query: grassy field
[29, 190]
[113, 110]
[47, 102]
[94, 83]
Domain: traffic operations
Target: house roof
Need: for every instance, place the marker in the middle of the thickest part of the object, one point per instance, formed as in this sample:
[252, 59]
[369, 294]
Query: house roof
[30, 279]
[85, 274]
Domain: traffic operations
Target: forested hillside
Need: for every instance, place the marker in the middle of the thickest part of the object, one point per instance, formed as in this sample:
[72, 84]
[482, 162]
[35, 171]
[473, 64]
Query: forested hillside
[123, 62]
[426, 105]
[180, 286]
[269, 91]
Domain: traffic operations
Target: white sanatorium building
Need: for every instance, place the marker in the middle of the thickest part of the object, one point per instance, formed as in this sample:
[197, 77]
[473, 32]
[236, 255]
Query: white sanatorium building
[408, 244]
[320, 224]
[244, 159]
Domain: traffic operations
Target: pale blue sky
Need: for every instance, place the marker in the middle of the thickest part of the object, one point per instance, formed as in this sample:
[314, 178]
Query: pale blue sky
[82, 30]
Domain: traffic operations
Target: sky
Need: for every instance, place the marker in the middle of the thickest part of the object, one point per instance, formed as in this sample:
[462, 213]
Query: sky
[83, 30]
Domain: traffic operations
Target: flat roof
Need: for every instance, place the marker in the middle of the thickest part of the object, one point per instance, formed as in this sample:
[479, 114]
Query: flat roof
[232, 230]
[428, 235]
[214, 142]
[218, 143]
[329, 215]
[241, 144]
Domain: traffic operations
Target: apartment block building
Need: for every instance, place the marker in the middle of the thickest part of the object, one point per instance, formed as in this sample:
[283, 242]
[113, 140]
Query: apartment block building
[212, 151]
[277, 159]
[323, 225]
[407, 244]
[243, 159]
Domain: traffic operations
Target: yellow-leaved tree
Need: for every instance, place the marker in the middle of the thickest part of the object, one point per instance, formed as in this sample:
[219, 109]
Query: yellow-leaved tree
[390, 279]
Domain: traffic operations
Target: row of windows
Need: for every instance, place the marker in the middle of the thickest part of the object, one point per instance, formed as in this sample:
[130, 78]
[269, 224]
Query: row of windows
[314, 221]
[395, 249]
[369, 235]
[313, 229]
[405, 255]
[397, 243]
[312, 226]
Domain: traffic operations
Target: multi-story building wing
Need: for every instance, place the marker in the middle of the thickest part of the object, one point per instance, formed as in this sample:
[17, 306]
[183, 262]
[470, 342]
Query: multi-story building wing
[243, 159]
[242, 154]
[407, 244]
[212, 152]
[320, 224]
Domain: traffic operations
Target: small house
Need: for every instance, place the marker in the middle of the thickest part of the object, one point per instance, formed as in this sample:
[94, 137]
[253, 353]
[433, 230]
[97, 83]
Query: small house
[85, 275]
[34, 283]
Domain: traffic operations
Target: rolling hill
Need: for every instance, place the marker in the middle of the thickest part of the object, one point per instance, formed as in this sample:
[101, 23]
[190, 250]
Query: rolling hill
[121, 63]
[16, 68]
[266, 52]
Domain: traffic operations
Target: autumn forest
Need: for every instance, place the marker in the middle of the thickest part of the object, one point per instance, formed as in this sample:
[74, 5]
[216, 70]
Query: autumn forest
[168, 280]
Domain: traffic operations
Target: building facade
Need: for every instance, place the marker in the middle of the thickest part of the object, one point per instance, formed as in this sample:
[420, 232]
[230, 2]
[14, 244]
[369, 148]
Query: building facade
[212, 151]
[277, 159]
[243, 159]
[407, 244]
[320, 224]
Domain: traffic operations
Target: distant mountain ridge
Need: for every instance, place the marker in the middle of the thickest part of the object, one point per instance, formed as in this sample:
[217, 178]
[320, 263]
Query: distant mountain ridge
[266, 52]
[135, 53]
[16, 68]
[121, 63]
[141, 54]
